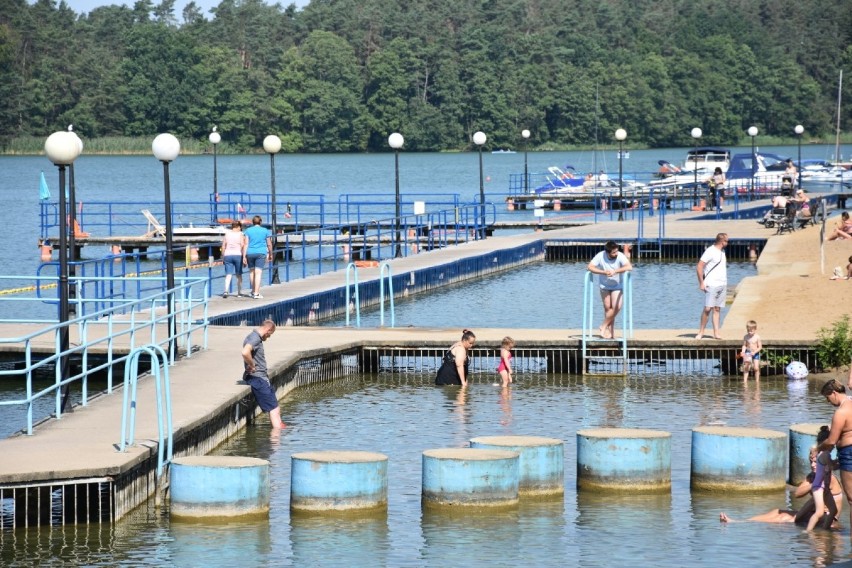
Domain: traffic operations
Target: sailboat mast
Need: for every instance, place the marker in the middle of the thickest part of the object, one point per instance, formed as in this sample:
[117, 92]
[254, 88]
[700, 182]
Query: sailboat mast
[595, 151]
[837, 157]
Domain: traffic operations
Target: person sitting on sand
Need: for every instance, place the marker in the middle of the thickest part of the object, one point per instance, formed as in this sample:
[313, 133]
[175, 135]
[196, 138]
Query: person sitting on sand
[843, 229]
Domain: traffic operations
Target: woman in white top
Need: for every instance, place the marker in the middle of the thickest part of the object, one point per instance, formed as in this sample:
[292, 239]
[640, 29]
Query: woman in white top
[234, 256]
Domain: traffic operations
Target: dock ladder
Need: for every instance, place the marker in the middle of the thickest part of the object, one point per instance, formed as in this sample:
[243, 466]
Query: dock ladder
[605, 356]
[352, 279]
[159, 359]
[385, 272]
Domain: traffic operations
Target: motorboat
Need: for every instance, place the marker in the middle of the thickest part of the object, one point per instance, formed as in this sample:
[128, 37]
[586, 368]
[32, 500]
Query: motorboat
[758, 172]
[699, 165]
[502, 151]
[823, 171]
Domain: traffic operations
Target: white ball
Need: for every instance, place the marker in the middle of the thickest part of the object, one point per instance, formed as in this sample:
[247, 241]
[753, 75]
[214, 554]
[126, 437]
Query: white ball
[796, 370]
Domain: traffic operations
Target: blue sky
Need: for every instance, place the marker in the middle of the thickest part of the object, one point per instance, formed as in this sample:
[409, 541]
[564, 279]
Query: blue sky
[85, 6]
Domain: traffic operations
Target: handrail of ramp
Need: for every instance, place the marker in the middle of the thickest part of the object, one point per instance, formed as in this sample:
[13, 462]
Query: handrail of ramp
[159, 359]
[352, 269]
[385, 268]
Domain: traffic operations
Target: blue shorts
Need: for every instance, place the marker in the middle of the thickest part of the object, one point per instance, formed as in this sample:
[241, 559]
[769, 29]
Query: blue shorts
[844, 455]
[233, 264]
[256, 261]
[263, 393]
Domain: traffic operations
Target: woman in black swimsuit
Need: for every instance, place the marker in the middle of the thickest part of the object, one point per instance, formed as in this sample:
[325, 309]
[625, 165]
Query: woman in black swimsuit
[454, 365]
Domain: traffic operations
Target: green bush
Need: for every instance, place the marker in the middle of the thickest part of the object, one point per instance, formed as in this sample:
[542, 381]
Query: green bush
[835, 344]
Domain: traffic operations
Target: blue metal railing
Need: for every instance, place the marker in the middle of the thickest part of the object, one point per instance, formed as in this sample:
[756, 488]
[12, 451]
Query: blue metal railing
[352, 270]
[590, 298]
[163, 394]
[107, 334]
[385, 272]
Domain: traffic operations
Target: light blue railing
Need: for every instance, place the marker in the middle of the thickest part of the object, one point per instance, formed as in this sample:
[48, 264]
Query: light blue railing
[163, 394]
[591, 296]
[385, 273]
[352, 280]
[105, 337]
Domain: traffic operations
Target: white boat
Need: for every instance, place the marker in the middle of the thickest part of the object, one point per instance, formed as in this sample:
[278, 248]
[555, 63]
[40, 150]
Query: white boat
[823, 171]
[502, 151]
[700, 163]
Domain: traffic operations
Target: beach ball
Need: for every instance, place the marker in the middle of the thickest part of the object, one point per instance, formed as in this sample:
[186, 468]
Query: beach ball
[796, 370]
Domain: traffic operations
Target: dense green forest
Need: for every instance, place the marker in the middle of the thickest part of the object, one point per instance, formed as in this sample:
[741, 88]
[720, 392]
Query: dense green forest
[340, 75]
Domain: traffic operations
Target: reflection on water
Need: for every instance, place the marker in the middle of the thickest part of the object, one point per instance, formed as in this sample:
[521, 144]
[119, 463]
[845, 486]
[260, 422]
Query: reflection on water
[402, 415]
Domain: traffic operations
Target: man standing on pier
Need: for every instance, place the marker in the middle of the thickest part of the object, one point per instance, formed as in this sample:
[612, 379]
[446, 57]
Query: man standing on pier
[609, 264]
[712, 273]
[255, 374]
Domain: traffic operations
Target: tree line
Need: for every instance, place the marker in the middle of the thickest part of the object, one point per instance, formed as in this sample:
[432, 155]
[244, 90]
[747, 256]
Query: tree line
[341, 75]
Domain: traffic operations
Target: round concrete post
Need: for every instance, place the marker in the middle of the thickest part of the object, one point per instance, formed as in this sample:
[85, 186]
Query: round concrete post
[738, 459]
[541, 461]
[218, 486]
[624, 459]
[470, 477]
[338, 481]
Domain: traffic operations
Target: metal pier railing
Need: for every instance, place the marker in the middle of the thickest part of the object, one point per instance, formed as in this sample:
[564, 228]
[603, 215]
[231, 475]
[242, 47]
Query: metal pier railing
[605, 356]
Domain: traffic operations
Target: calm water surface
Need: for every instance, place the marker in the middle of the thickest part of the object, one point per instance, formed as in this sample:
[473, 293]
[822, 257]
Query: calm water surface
[402, 415]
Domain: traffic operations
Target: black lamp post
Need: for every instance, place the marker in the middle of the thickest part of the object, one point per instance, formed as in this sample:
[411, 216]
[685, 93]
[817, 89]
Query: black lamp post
[215, 138]
[696, 135]
[72, 228]
[525, 134]
[620, 135]
[272, 145]
[62, 149]
[752, 131]
[166, 148]
[799, 130]
[479, 139]
[396, 141]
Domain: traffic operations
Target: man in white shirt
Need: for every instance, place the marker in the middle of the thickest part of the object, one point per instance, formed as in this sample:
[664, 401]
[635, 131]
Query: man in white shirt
[712, 273]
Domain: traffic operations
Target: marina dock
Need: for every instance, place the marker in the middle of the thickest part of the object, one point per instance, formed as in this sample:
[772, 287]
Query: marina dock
[209, 403]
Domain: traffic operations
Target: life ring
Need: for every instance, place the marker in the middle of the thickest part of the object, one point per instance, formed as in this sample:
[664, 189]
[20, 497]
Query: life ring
[366, 263]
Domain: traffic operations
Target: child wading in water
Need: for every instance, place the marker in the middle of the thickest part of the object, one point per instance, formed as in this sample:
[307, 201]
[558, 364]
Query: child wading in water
[751, 351]
[505, 367]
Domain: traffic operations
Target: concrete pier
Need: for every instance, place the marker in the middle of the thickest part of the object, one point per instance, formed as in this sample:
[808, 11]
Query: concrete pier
[467, 477]
[541, 461]
[624, 459]
[219, 486]
[738, 459]
[335, 480]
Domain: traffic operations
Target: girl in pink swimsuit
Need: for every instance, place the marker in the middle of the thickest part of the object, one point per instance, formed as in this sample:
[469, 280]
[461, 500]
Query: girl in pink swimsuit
[505, 367]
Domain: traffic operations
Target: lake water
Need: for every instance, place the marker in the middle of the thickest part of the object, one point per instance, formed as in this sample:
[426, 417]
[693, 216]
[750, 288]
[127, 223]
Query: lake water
[402, 415]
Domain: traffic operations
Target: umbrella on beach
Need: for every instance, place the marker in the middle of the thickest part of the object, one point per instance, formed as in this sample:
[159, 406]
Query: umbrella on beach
[43, 190]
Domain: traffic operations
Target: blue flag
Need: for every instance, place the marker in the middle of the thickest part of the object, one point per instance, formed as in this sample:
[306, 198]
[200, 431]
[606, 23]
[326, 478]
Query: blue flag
[43, 190]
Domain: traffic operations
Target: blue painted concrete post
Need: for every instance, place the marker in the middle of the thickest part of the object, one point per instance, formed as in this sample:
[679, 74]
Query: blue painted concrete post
[802, 439]
[624, 459]
[738, 459]
[219, 486]
[541, 461]
[470, 477]
[335, 480]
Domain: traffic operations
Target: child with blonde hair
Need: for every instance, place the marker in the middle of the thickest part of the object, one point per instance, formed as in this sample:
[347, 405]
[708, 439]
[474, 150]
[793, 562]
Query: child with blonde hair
[505, 367]
[751, 351]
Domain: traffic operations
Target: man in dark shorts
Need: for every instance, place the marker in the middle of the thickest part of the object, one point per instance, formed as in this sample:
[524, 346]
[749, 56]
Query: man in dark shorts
[255, 374]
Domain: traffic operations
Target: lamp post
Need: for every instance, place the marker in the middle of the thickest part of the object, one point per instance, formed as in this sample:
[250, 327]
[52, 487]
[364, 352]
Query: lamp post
[62, 148]
[620, 135]
[479, 139]
[72, 227]
[166, 148]
[396, 141]
[696, 136]
[752, 131]
[799, 130]
[272, 145]
[215, 138]
[525, 134]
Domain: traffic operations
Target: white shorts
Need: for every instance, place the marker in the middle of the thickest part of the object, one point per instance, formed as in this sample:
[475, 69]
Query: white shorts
[715, 296]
